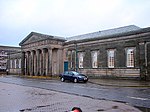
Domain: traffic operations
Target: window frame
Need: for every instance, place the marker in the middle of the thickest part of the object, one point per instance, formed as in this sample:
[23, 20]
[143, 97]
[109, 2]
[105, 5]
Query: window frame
[80, 59]
[130, 57]
[111, 58]
[94, 59]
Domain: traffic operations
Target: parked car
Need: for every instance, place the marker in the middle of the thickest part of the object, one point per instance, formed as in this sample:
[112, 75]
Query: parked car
[73, 76]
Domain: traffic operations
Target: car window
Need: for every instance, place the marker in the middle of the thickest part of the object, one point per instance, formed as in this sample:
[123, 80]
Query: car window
[75, 73]
[70, 73]
[66, 72]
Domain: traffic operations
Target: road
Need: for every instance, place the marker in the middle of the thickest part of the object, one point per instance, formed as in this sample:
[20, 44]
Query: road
[133, 96]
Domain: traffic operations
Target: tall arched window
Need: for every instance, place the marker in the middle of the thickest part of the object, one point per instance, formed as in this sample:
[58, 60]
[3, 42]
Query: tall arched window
[111, 58]
[94, 59]
[130, 57]
[80, 57]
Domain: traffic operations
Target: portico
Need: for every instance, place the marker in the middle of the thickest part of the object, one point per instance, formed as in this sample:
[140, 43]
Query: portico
[41, 55]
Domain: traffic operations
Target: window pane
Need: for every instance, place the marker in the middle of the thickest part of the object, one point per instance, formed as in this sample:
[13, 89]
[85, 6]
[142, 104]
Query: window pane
[111, 58]
[130, 57]
[94, 59]
[80, 57]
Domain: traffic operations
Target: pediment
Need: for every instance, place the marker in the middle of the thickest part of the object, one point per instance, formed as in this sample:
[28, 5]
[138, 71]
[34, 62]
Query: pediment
[32, 37]
[36, 37]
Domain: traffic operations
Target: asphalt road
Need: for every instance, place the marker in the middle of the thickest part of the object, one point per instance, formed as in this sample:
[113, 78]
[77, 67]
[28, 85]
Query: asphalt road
[134, 96]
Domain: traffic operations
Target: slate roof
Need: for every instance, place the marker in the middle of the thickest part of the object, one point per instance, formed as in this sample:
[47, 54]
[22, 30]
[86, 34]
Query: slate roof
[41, 37]
[104, 33]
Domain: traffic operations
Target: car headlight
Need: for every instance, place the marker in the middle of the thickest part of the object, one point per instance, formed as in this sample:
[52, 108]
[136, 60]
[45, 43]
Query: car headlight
[80, 76]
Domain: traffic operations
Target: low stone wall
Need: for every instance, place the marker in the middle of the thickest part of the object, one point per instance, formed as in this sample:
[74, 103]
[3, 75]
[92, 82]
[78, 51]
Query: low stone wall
[15, 71]
[122, 73]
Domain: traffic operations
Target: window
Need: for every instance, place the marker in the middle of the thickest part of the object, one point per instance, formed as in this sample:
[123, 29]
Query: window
[80, 57]
[94, 59]
[130, 57]
[71, 59]
[111, 56]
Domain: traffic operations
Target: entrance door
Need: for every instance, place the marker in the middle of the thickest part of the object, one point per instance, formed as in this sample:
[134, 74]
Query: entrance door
[65, 66]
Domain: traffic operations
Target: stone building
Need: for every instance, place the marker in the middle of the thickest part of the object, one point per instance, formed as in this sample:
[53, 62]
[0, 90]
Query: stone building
[4, 55]
[14, 60]
[42, 54]
[121, 52]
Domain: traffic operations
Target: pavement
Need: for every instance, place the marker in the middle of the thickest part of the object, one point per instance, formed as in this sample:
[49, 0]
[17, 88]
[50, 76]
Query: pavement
[109, 82]
[103, 81]
[121, 82]
[17, 98]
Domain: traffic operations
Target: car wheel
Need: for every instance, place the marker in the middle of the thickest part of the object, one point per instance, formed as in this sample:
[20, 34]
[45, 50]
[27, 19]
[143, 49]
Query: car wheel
[85, 81]
[62, 79]
[75, 80]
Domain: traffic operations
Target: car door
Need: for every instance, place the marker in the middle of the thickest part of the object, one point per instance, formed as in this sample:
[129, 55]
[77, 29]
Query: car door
[70, 76]
[65, 75]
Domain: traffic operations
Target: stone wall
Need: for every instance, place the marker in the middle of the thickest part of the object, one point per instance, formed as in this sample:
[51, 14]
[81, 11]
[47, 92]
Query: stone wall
[109, 73]
[120, 45]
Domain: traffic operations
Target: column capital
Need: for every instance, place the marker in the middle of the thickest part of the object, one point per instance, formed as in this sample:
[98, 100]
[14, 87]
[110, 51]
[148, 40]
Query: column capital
[60, 48]
[49, 48]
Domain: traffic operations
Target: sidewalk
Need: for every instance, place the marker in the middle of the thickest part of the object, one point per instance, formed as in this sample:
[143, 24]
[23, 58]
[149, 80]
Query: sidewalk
[16, 98]
[102, 81]
[120, 83]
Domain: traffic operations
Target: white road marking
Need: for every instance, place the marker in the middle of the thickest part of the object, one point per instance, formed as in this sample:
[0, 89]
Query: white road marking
[138, 98]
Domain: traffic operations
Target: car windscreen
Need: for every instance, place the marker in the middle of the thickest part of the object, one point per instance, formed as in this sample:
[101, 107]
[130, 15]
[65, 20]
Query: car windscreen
[75, 73]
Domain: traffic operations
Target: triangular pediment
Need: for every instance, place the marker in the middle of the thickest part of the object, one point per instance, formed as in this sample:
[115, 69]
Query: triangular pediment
[33, 38]
[36, 37]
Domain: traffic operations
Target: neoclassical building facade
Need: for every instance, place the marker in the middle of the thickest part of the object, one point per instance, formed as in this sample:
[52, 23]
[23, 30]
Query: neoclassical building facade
[42, 54]
[120, 52]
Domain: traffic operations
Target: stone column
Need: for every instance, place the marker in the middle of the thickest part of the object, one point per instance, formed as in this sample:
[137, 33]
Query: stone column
[43, 62]
[27, 63]
[23, 63]
[37, 62]
[32, 63]
[46, 62]
[40, 62]
[61, 60]
[58, 61]
[50, 61]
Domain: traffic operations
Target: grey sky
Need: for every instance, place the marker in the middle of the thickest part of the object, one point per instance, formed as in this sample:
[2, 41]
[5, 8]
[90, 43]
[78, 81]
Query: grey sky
[67, 18]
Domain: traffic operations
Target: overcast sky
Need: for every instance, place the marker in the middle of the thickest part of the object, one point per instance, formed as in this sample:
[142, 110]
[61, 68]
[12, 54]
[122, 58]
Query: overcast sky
[67, 18]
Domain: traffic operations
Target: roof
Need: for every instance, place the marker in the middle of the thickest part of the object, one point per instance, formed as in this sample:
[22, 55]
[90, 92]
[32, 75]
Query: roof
[39, 37]
[2, 46]
[104, 33]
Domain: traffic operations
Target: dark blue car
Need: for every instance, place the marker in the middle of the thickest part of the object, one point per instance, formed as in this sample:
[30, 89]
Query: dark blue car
[73, 76]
